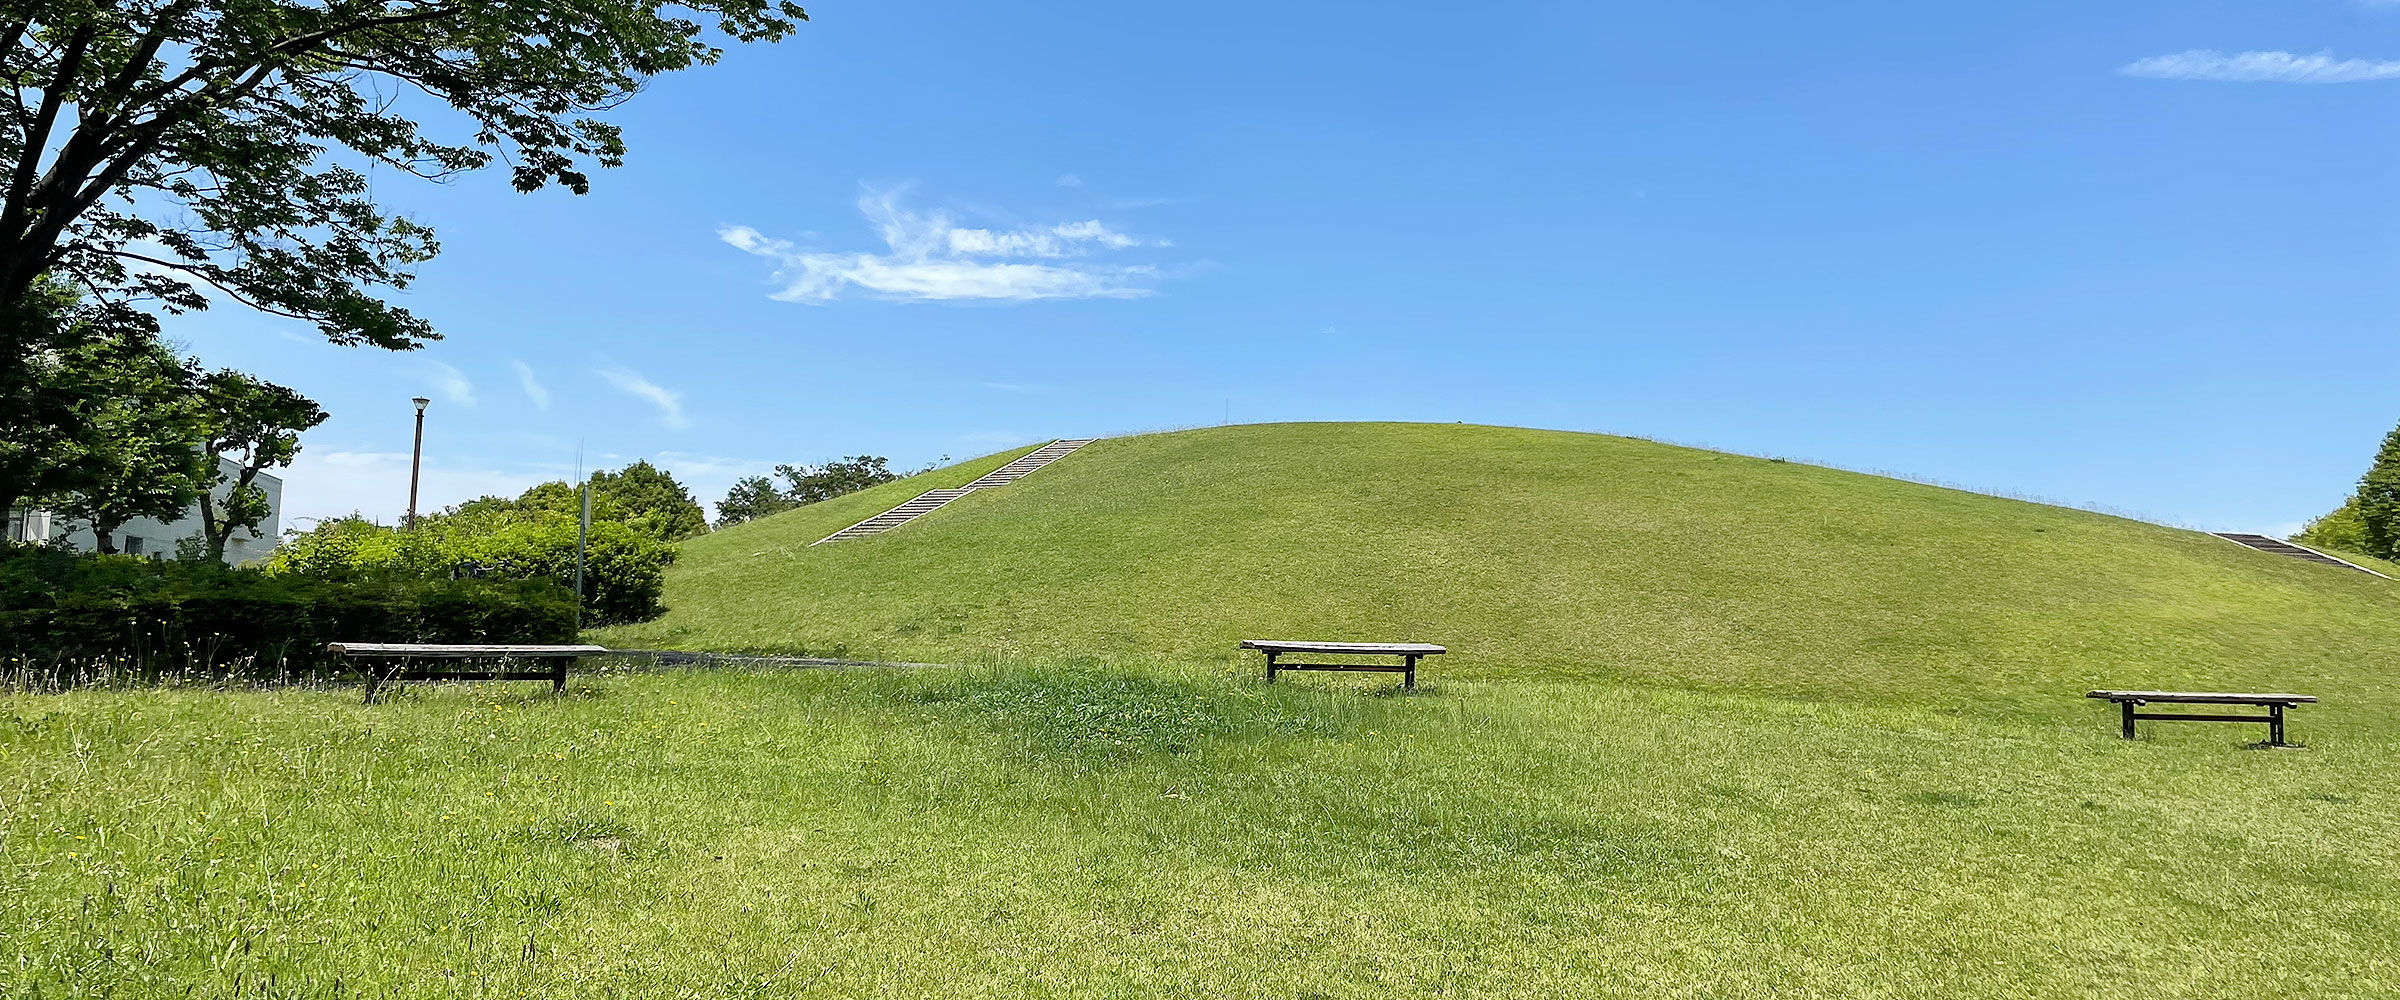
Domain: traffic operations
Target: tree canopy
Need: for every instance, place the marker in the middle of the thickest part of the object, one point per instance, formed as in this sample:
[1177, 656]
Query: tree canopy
[143, 457]
[256, 425]
[751, 498]
[167, 150]
[754, 497]
[156, 155]
[2378, 500]
[652, 500]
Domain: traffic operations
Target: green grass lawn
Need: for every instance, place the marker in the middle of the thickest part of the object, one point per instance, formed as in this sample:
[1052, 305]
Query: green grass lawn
[1713, 727]
[1140, 831]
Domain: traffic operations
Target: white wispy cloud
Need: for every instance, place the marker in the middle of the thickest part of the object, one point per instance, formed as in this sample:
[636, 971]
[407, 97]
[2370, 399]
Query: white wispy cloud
[1070, 180]
[1069, 239]
[668, 401]
[2262, 67]
[931, 260]
[453, 384]
[534, 389]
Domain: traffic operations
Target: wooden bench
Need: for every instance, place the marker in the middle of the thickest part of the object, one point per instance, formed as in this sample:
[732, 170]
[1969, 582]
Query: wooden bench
[403, 654]
[2273, 703]
[1408, 652]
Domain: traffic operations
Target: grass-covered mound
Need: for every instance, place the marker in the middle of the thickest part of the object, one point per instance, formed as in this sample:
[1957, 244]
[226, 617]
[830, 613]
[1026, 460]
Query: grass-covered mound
[1540, 554]
[1699, 739]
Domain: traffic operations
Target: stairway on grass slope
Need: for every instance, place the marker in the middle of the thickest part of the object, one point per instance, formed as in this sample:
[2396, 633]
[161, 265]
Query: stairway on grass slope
[932, 500]
[2280, 547]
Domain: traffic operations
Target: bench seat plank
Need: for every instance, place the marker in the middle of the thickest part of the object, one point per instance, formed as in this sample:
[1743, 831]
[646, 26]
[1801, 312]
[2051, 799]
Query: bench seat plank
[1361, 648]
[400, 657]
[2204, 697]
[1408, 652]
[2128, 703]
[458, 652]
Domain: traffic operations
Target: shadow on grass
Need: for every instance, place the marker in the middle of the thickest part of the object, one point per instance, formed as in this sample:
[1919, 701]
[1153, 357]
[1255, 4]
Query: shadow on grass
[1090, 714]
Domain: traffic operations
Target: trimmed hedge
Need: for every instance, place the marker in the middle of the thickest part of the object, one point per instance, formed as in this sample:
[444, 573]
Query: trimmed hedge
[158, 617]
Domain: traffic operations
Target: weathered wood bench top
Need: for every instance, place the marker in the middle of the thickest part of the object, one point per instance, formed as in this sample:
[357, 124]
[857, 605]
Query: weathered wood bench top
[2204, 697]
[2129, 703]
[1361, 648]
[400, 653]
[1408, 652]
[459, 652]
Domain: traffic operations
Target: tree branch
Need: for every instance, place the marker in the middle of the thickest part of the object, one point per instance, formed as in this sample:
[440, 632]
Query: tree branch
[205, 272]
[138, 61]
[16, 212]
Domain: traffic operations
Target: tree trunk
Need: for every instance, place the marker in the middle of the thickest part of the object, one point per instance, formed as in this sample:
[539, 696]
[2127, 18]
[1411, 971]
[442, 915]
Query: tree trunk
[208, 525]
[104, 539]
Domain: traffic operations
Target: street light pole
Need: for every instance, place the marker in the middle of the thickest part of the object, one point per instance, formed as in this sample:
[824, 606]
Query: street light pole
[416, 455]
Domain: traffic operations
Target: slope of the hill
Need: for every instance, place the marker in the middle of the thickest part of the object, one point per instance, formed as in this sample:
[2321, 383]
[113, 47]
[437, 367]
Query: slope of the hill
[1540, 552]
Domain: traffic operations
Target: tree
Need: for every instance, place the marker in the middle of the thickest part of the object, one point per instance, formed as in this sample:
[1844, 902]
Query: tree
[108, 417]
[160, 152]
[652, 499]
[815, 483]
[751, 498]
[47, 395]
[2379, 500]
[755, 497]
[143, 456]
[257, 425]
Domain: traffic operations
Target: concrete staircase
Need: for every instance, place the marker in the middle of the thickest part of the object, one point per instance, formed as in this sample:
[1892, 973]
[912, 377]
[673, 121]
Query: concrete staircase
[2278, 546]
[1023, 467]
[932, 500]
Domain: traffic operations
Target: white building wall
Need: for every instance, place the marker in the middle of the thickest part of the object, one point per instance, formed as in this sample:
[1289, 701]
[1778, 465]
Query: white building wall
[150, 537]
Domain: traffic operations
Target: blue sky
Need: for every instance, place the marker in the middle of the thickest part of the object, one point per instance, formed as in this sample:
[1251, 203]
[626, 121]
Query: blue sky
[2139, 255]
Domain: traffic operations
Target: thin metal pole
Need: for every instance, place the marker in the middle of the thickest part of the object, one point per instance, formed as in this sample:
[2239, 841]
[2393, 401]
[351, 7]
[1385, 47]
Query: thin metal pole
[416, 455]
[583, 534]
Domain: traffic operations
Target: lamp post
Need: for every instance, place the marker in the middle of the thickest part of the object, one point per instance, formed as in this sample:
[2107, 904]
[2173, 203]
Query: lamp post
[416, 454]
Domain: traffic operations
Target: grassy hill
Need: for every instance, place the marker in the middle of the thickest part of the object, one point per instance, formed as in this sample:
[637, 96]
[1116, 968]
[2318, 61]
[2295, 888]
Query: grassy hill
[1715, 727]
[1537, 553]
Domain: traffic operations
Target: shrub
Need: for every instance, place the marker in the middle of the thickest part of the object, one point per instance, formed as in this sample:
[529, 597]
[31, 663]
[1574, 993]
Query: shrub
[2341, 529]
[531, 538]
[170, 616]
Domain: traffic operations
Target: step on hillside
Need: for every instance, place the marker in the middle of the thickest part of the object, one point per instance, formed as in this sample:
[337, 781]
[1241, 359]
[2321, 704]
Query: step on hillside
[1022, 467]
[931, 500]
[2277, 546]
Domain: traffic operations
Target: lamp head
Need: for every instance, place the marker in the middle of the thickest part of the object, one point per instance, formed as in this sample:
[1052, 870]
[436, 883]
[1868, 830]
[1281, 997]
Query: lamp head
[420, 401]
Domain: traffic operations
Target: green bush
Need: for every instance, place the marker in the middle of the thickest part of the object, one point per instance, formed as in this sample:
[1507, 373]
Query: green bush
[163, 616]
[2342, 529]
[532, 538]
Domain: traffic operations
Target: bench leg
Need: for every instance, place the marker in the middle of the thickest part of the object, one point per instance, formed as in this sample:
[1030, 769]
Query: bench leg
[558, 674]
[1270, 666]
[377, 677]
[2275, 725]
[2128, 707]
[1409, 677]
